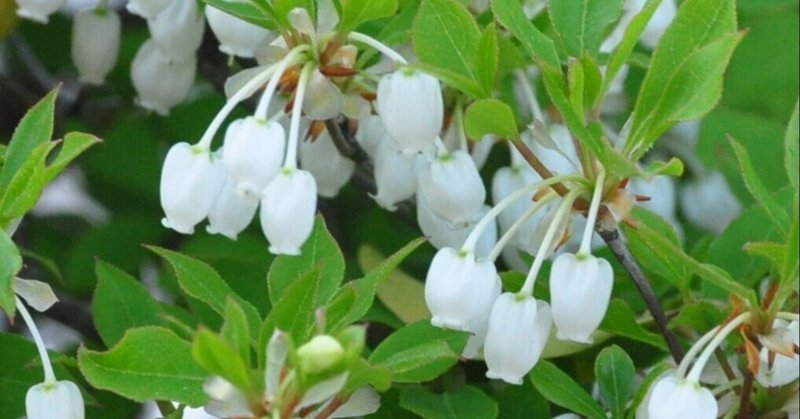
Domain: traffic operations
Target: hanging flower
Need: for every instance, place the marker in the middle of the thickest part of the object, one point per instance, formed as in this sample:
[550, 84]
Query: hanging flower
[287, 210]
[410, 105]
[95, 43]
[580, 290]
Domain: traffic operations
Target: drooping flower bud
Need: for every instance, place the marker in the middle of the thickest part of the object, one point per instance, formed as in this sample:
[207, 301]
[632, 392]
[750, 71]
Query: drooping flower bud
[38, 10]
[147, 9]
[675, 397]
[441, 234]
[330, 169]
[236, 36]
[459, 289]
[452, 187]
[580, 290]
[178, 29]
[253, 154]
[410, 105]
[518, 330]
[191, 180]
[396, 173]
[95, 44]
[231, 212]
[287, 210]
[161, 82]
[58, 400]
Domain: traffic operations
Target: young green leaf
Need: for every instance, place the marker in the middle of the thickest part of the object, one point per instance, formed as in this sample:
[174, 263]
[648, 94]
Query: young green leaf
[467, 402]
[235, 329]
[221, 358]
[10, 264]
[147, 363]
[757, 188]
[356, 12]
[510, 14]
[684, 80]
[73, 145]
[419, 352]
[487, 59]
[320, 251]
[446, 38]
[615, 374]
[26, 185]
[490, 116]
[792, 142]
[559, 388]
[582, 24]
[120, 303]
[523, 401]
[35, 129]
[775, 253]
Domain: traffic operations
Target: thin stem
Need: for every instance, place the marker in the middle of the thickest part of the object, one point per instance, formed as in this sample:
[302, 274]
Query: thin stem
[49, 375]
[458, 120]
[294, 127]
[784, 315]
[378, 46]
[527, 89]
[591, 218]
[693, 351]
[549, 236]
[292, 58]
[697, 368]
[620, 249]
[240, 95]
[745, 396]
[477, 231]
[514, 229]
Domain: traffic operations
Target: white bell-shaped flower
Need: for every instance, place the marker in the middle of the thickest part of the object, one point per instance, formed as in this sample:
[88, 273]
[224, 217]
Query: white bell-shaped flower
[161, 82]
[95, 44]
[675, 397]
[232, 212]
[38, 10]
[178, 29]
[58, 400]
[370, 134]
[479, 328]
[452, 187]
[518, 330]
[396, 174]
[459, 289]
[331, 170]
[287, 210]
[191, 180]
[441, 234]
[147, 9]
[783, 369]
[236, 36]
[410, 105]
[253, 154]
[709, 202]
[580, 290]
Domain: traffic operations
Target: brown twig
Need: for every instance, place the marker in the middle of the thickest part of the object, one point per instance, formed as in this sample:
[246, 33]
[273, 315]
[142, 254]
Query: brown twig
[744, 396]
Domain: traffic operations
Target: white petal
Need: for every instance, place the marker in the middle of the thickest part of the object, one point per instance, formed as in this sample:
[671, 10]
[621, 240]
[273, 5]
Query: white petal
[253, 154]
[178, 29]
[95, 44]
[324, 99]
[364, 401]
[514, 339]
[287, 210]
[410, 105]
[38, 10]
[59, 400]
[232, 212]
[580, 290]
[161, 82]
[321, 158]
[236, 36]
[674, 397]
[453, 188]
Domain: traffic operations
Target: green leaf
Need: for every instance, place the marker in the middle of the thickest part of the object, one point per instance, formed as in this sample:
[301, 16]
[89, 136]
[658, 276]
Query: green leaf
[404, 296]
[10, 264]
[488, 55]
[26, 185]
[294, 312]
[684, 80]
[356, 12]
[321, 252]
[490, 116]
[235, 329]
[73, 145]
[615, 374]
[419, 352]
[621, 321]
[148, 363]
[562, 390]
[757, 188]
[510, 14]
[773, 252]
[791, 141]
[120, 303]
[355, 298]
[673, 167]
[446, 38]
[362, 373]
[582, 24]
[199, 280]
[620, 54]
[649, 252]
[35, 129]
[221, 358]
[521, 402]
[467, 402]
